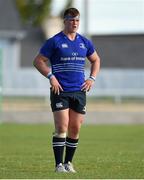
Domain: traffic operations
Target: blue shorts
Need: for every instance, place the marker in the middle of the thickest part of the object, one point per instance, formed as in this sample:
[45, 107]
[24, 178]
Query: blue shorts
[73, 100]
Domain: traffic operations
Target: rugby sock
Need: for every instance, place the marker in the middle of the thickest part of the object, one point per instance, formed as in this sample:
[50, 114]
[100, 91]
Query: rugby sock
[58, 148]
[71, 145]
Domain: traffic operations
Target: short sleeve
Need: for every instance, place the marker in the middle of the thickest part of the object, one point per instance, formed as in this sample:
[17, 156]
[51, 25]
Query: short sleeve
[48, 48]
[90, 48]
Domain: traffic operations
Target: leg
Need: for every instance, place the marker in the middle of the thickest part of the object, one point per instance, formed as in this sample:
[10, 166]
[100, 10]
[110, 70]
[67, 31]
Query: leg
[75, 121]
[61, 119]
[76, 114]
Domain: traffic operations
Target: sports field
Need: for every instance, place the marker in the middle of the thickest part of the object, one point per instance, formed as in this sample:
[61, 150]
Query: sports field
[105, 151]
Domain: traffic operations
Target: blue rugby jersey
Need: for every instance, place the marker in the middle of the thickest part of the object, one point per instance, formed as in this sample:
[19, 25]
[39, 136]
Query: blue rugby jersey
[67, 59]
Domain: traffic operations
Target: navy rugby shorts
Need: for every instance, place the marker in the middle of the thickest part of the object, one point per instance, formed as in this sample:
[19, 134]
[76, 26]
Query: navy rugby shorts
[73, 100]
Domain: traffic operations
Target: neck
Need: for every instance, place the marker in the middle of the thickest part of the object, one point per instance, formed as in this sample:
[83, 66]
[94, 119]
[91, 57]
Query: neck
[71, 36]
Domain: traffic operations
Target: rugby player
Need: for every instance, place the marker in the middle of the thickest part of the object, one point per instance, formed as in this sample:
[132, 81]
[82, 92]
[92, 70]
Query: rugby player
[67, 52]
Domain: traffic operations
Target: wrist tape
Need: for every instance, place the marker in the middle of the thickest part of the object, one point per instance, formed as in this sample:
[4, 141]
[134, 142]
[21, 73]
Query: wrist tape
[92, 78]
[49, 75]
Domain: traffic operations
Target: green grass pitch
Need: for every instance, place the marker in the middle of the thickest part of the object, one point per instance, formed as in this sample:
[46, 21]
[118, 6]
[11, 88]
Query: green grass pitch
[104, 152]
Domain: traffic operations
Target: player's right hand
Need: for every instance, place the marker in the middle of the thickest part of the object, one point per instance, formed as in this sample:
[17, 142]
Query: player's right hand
[56, 87]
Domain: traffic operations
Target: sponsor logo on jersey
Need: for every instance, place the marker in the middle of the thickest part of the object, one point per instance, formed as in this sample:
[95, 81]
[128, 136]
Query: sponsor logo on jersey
[81, 45]
[64, 45]
[59, 105]
[74, 54]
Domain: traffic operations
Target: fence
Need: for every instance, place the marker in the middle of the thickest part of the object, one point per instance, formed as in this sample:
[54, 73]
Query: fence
[116, 83]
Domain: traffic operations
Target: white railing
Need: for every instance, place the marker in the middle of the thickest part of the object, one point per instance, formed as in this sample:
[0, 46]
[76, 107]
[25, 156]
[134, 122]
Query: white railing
[110, 82]
[117, 94]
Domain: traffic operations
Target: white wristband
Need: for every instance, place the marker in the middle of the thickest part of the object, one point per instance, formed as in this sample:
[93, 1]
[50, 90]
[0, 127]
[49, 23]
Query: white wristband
[49, 75]
[92, 78]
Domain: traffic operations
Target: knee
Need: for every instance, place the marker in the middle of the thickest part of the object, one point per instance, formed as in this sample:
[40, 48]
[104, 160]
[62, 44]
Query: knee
[60, 131]
[62, 128]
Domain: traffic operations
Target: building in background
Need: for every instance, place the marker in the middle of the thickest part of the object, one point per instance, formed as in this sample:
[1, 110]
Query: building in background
[19, 45]
[115, 26]
[117, 29]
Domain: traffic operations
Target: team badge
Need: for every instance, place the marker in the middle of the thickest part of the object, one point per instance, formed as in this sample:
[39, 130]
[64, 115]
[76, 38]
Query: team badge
[81, 45]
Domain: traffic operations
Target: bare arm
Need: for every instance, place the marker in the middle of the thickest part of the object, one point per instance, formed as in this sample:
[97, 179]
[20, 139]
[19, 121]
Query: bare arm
[95, 64]
[95, 67]
[41, 65]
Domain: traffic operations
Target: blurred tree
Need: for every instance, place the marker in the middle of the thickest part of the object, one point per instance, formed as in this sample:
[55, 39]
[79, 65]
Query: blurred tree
[33, 11]
[68, 4]
[36, 13]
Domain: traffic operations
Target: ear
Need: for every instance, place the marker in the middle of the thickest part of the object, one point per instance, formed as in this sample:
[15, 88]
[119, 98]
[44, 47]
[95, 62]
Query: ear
[64, 21]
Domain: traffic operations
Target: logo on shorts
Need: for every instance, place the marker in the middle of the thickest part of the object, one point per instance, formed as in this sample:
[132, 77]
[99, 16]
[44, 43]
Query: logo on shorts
[84, 109]
[59, 105]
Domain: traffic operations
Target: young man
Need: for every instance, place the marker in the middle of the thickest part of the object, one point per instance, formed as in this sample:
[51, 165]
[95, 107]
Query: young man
[67, 52]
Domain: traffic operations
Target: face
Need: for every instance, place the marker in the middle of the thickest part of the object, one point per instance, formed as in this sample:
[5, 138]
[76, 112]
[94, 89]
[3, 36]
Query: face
[71, 24]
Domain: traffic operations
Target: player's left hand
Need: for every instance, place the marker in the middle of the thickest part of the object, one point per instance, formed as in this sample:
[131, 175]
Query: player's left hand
[86, 86]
